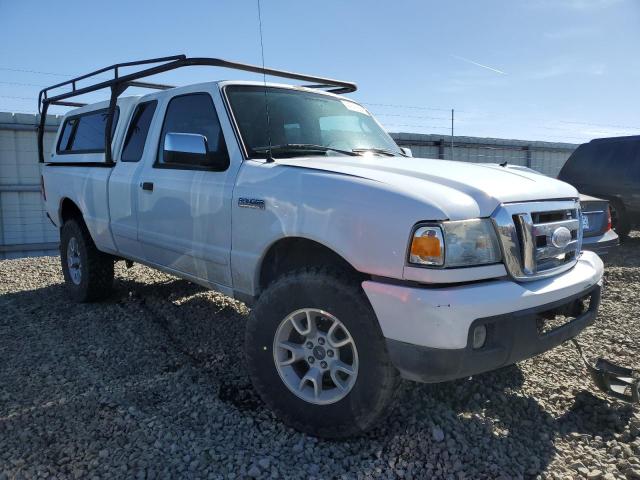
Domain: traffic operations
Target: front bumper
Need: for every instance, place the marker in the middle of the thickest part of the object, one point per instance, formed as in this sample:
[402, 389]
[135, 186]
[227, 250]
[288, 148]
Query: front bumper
[510, 338]
[431, 326]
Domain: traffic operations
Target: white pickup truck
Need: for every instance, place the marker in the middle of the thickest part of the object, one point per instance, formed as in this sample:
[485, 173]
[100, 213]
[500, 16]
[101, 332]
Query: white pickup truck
[361, 264]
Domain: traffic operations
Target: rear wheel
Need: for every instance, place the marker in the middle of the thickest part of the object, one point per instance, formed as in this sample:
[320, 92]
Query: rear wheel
[88, 273]
[316, 354]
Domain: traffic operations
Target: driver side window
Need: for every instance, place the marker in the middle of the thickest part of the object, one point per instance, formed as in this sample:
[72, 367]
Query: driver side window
[193, 113]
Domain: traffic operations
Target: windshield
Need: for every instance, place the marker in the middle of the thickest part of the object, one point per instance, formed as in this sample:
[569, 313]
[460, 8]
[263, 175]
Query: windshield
[305, 123]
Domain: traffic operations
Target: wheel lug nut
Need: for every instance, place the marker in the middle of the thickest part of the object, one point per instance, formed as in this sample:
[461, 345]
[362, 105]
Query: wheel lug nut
[329, 353]
[309, 345]
[321, 341]
[323, 364]
[311, 359]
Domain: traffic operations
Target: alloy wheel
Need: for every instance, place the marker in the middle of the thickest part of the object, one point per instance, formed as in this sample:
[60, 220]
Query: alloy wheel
[73, 260]
[315, 356]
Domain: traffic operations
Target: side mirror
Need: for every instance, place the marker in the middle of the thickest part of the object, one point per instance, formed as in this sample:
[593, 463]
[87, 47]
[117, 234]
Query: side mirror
[185, 149]
[192, 150]
[406, 151]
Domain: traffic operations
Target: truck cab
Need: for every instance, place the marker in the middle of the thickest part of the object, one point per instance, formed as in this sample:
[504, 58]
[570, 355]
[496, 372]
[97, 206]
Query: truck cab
[361, 264]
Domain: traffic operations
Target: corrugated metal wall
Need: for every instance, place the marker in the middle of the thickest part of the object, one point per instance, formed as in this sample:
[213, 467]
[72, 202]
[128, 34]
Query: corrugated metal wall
[25, 231]
[545, 157]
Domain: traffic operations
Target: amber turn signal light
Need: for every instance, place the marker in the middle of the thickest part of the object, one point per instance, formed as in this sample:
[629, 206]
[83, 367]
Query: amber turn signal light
[426, 246]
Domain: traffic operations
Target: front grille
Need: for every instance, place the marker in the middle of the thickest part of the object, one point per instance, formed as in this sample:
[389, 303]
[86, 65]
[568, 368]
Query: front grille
[539, 239]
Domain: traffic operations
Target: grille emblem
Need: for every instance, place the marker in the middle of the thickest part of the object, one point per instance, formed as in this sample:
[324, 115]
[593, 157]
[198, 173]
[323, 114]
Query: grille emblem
[561, 237]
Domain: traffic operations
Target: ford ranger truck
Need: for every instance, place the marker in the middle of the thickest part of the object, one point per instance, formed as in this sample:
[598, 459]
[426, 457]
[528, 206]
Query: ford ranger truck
[361, 263]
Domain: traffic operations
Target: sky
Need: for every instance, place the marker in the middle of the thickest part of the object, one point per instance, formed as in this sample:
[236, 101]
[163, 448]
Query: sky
[555, 70]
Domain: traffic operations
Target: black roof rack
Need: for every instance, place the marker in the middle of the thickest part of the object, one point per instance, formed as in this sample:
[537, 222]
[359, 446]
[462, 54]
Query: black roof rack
[118, 84]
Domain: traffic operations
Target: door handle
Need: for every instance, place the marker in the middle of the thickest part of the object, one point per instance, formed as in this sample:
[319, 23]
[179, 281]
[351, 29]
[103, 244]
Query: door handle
[147, 186]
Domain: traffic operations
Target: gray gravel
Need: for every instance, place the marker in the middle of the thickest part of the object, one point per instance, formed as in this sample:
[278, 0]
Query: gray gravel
[151, 384]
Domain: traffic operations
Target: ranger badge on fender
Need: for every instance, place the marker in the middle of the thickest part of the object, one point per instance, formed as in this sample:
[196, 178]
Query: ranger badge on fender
[251, 203]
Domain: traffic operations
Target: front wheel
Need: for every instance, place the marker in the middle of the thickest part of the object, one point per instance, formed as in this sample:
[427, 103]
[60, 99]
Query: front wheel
[88, 273]
[316, 354]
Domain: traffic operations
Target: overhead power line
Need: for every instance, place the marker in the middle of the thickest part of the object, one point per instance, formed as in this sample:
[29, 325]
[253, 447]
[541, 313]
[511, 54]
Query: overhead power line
[12, 110]
[23, 84]
[601, 125]
[408, 116]
[415, 126]
[39, 72]
[7, 69]
[379, 114]
[33, 99]
[415, 107]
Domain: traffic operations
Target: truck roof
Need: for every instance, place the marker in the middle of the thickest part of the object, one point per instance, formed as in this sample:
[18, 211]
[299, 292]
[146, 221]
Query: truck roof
[123, 102]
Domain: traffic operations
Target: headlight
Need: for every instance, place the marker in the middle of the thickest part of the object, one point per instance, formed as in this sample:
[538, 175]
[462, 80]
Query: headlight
[455, 244]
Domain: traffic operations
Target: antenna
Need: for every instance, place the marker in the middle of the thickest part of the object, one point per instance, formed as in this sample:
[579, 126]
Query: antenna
[269, 158]
[452, 157]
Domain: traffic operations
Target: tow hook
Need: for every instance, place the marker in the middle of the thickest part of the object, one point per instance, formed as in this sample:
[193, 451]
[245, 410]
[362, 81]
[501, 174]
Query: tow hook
[619, 382]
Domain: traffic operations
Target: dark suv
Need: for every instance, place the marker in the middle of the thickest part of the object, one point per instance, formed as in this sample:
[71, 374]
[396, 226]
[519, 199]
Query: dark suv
[609, 168]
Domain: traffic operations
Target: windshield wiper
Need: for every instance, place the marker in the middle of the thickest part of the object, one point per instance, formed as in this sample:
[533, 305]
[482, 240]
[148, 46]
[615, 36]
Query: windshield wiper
[382, 151]
[301, 147]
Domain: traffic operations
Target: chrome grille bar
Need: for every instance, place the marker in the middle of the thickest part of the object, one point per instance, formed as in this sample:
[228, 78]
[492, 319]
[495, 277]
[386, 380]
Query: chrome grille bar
[548, 228]
[539, 250]
[553, 251]
[525, 226]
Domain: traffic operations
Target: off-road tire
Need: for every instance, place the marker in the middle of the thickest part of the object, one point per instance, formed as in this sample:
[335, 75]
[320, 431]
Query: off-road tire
[96, 268]
[342, 296]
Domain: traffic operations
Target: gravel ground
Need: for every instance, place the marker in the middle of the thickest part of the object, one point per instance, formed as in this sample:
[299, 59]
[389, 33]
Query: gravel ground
[151, 384]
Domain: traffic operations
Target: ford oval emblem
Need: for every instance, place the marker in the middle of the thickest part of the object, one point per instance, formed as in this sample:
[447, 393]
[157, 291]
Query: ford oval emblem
[561, 237]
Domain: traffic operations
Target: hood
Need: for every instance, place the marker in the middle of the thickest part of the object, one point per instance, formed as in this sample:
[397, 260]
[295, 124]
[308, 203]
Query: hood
[459, 189]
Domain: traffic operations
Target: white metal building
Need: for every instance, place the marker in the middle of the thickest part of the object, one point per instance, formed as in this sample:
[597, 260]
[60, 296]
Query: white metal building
[24, 229]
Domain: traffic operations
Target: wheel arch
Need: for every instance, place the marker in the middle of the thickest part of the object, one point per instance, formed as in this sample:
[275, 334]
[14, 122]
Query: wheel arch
[291, 253]
[69, 209]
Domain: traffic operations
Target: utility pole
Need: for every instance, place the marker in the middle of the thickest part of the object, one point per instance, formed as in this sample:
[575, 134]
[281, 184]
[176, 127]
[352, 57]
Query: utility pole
[452, 113]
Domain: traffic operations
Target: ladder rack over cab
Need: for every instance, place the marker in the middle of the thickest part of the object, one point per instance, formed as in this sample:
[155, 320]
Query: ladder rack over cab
[119, 83]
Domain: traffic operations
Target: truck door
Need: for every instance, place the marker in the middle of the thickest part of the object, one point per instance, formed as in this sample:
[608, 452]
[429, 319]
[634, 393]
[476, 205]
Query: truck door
[184, 209]
[123, 196]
